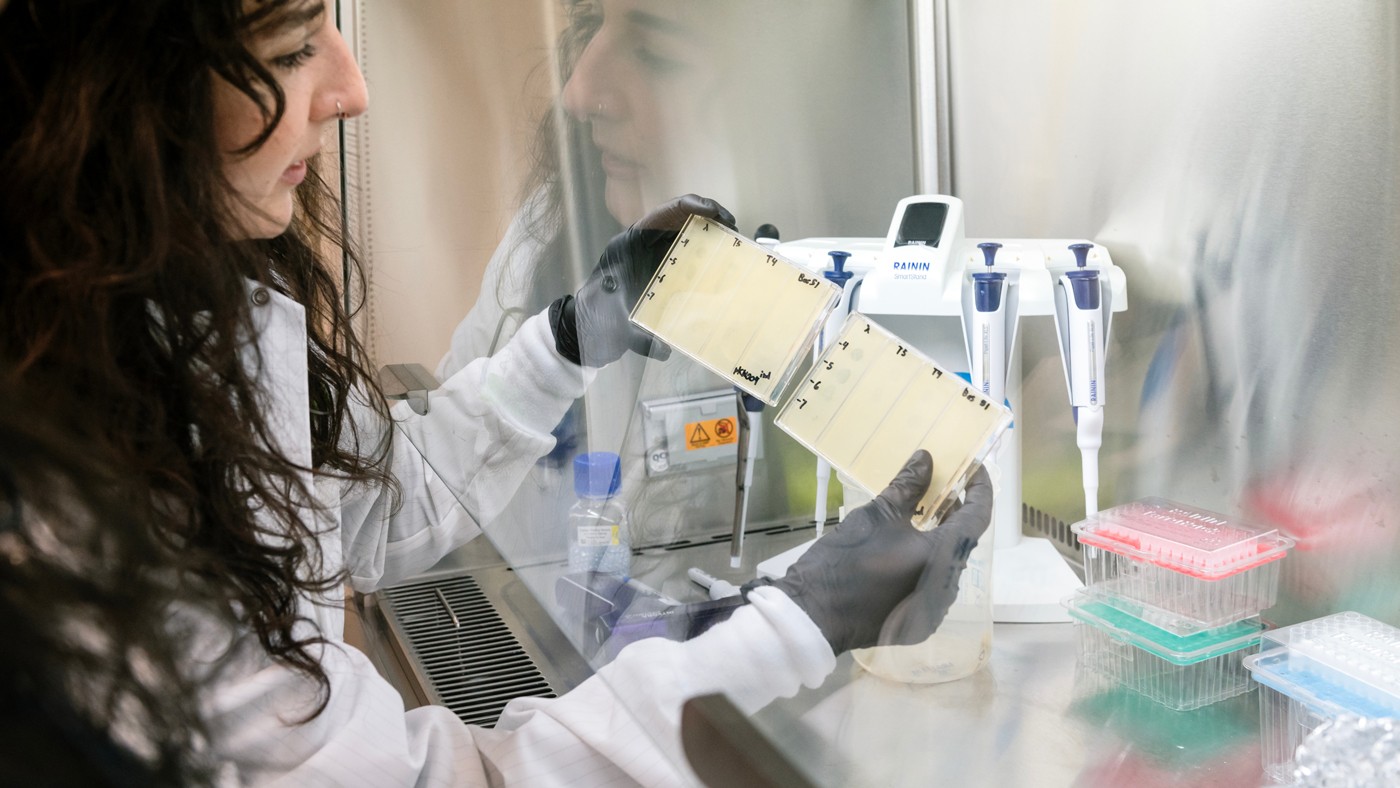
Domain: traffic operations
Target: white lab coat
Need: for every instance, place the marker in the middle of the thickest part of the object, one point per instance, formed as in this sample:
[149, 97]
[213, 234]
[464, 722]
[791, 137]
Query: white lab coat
[487, 426]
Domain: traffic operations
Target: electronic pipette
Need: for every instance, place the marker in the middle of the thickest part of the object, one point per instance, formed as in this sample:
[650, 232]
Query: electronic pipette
[1082, 313]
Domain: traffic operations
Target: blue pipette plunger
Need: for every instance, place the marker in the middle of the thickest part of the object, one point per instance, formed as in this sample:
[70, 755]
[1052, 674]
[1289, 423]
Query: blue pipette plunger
[987, 285]
[1081, 253]
[838, 273]
[989, 252]
[1084, 281]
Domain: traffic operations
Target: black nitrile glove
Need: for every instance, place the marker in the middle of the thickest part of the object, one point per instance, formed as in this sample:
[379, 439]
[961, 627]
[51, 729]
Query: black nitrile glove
[592, 327]
[878, 580]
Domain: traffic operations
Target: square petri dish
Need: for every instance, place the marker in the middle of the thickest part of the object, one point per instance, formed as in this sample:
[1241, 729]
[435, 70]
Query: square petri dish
[1181, 673]
[1180, 568]
[872, 399]
[732, 305]
[1311, 672]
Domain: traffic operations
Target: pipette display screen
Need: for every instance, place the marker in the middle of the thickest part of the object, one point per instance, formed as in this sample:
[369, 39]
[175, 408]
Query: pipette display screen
[922, 224]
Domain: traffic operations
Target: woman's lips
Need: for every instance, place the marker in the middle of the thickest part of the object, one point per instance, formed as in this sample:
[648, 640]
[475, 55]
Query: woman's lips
[295, 174]
[618, 167]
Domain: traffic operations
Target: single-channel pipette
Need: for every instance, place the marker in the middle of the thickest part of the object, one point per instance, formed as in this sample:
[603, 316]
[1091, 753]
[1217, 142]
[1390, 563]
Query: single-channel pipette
[1082, 323]
[750, 413]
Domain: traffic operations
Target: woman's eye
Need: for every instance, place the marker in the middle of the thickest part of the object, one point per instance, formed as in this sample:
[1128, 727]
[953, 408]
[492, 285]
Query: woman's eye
[585, 19]
[295, 59]
[656, 62]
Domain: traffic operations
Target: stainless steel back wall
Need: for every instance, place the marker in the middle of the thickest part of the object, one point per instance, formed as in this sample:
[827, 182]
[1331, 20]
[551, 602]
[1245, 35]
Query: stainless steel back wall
[1240, 161]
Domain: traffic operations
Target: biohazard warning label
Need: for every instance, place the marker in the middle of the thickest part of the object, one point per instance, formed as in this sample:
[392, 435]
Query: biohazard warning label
[708, 434]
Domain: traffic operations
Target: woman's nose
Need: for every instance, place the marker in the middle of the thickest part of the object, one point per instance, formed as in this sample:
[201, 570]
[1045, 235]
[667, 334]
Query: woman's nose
[346, 95]
[590, 92]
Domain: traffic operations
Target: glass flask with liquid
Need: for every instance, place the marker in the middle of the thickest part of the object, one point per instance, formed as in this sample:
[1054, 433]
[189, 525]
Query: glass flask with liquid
[961, 645]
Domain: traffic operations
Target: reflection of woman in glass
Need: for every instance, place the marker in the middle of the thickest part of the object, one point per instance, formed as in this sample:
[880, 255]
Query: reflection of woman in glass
[633, 116]
[601, 159]
[666, 97]
[661, 98]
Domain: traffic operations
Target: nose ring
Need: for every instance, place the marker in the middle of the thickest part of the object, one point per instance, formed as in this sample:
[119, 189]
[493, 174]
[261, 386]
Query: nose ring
[600, 108]
[340, 112]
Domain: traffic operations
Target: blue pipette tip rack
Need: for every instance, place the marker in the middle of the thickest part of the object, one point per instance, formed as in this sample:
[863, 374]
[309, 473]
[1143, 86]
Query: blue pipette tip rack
[1344, 663]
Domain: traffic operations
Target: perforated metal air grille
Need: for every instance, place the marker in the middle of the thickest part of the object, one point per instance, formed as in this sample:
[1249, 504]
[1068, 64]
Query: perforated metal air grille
[1051, 527]
[472, 662]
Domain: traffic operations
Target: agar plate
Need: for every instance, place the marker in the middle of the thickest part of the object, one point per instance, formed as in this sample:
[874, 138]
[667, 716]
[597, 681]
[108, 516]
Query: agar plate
[871, 400]
[732, 305]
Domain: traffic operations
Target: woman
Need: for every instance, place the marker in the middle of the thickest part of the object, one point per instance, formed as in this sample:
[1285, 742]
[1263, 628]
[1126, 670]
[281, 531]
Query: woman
[162, 233]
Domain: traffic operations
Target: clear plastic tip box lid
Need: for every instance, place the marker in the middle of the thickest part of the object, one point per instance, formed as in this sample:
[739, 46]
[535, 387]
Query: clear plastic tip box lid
[1345, 662]
[1182, 538]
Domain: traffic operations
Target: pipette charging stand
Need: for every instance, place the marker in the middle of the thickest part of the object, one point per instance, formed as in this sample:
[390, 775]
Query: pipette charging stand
[1029, 576]
[913, 283]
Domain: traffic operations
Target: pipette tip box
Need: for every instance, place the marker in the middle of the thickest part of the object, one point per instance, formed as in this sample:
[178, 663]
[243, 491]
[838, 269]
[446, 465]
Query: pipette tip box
[1311, 672]
[1179, 672]
[1180, 568]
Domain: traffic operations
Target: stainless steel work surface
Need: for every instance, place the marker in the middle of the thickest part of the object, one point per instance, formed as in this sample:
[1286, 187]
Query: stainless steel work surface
[1023, 720]
[1026, 719]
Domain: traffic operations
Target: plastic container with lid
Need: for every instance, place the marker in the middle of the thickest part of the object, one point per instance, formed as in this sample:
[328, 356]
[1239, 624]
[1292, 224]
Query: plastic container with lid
[1345, 663]
[1179, 672]
[1180, 568]
[598, 533]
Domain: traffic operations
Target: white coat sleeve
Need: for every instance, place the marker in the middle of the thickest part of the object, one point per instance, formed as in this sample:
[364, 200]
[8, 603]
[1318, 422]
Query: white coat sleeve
[620, 727]
[459, 464]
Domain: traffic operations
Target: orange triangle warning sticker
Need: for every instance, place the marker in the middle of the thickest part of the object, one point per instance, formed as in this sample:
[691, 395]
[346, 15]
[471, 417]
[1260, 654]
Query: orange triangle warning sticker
[698, 437]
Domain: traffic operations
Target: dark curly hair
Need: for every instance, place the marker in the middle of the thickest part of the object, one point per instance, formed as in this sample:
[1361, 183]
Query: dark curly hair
[121, 286]
[93, 689]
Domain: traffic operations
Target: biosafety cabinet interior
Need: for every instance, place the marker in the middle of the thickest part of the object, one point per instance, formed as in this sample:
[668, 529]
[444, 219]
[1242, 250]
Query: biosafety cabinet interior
[1238, 163]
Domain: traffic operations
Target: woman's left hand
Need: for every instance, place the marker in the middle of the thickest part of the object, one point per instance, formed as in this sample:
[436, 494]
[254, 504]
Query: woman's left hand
[592, 328]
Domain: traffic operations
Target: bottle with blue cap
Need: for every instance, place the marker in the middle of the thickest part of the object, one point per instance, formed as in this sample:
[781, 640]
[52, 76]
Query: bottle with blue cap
[598, 539]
